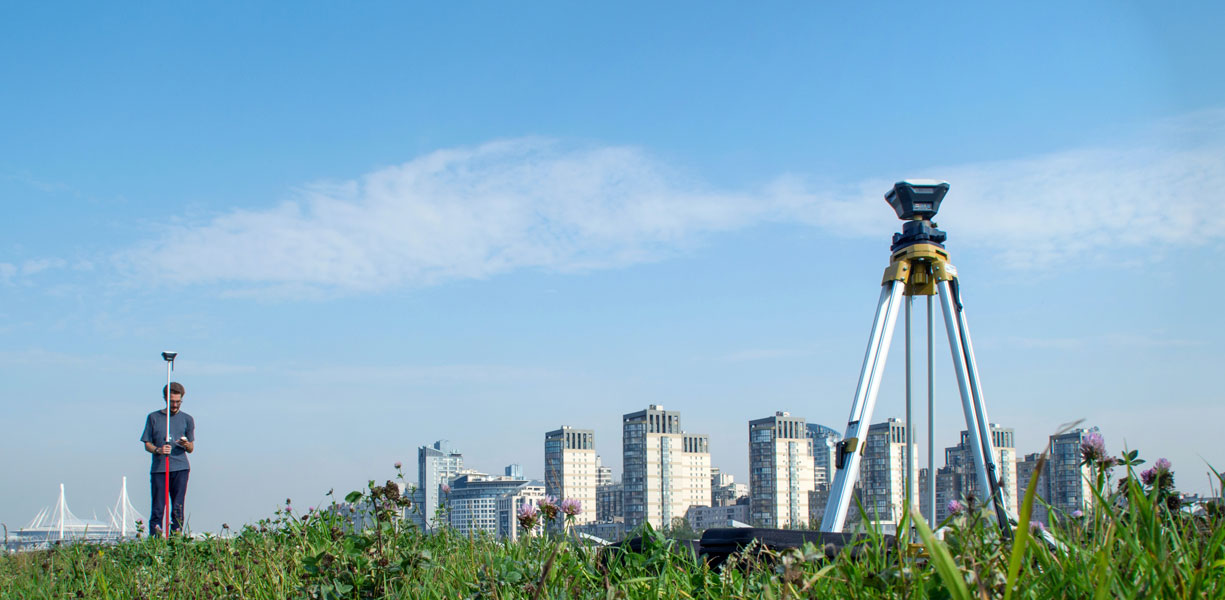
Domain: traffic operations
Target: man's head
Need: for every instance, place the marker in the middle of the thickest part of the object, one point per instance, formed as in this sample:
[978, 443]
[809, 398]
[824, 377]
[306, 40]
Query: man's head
[176, 395]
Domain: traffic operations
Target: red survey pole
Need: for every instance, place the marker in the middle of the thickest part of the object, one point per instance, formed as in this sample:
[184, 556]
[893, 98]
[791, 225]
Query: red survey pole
[169, 358]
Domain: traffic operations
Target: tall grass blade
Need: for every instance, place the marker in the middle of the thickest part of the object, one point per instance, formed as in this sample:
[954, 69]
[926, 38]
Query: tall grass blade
[946, 567]
[1021, 538]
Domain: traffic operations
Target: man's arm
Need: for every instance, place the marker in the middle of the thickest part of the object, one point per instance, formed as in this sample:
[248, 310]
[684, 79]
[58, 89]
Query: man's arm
[189, 444]
[147, 438]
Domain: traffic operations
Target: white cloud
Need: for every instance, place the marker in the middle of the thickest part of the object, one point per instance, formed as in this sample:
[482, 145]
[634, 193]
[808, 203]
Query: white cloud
[452, 214]
[11, 273]
[33, 267]
[533, 203]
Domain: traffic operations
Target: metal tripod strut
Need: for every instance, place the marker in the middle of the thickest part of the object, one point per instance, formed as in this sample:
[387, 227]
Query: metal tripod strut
[977, 423]
[850, 449]
[918, 267]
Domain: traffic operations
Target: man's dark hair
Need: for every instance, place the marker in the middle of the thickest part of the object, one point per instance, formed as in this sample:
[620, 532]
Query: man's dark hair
[175, 388]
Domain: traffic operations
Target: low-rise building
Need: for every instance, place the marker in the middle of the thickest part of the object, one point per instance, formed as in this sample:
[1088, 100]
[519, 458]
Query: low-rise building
[701, 518]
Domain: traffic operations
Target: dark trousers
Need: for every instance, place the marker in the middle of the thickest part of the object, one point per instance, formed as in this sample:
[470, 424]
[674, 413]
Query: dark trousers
[178, 492]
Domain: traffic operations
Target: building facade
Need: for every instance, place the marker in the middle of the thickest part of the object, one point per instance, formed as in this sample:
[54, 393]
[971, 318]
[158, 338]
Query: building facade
[882, 473]
[1069, 486]
[436, 465]
[702, 518]
[472, 504]
[603, 474]
[570, 468]
[508, 505]
[824, 452]
[1027, 469]
[781, 471]
[610, 503]
[665, 469]
[958, 480]
[724, 490]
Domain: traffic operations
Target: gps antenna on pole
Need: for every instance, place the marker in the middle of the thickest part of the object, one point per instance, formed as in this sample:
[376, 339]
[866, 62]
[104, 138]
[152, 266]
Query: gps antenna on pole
[169, 358]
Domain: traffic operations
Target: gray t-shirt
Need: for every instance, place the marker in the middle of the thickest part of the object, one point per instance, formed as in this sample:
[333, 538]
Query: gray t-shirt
[181, 425]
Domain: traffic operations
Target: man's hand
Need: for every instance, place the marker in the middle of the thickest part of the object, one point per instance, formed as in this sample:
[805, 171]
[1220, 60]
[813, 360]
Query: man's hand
[165, 449]
[184, 444]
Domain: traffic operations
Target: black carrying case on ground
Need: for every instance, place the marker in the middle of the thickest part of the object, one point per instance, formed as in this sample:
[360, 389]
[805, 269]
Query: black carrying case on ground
[717, 545]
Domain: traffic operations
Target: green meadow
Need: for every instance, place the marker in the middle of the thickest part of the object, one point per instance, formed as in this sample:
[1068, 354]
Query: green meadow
[1137, 543]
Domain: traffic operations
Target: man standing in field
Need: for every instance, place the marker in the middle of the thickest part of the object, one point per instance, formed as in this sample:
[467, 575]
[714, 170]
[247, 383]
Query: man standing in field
[183, 432]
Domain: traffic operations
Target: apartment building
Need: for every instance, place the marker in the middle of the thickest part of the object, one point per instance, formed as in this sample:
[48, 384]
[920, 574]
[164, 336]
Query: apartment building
[571, 468]
[882, 473]
[472, 504]
[508, 506]
[436, 465]
[958, 480]
[781, 473]
[666, 470]
[824, 451]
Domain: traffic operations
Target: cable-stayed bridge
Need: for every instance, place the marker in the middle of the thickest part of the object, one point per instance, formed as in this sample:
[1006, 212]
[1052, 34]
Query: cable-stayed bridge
[57, 524]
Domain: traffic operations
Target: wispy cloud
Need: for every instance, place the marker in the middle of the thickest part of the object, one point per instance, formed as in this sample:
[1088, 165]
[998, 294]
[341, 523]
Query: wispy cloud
[11, 273]
[28, 179]
[536, 203]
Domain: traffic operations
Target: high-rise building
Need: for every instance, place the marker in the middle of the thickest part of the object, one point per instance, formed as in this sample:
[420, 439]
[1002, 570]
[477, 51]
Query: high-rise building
[570, 465]
[824, 452]
[1068, 482]
[817, 499]
[958, 480]
[436, 465]
[610, 503]
[780, 471]
[508, 506]
[882, 473]
[513, 470]
[603, 474]
[1027, 467]
[724, 491]
[472, 504]
[950, 485]
[665, 469]
[1064, 483]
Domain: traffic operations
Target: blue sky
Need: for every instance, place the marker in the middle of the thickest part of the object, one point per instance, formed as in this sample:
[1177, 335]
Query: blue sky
[365, 229]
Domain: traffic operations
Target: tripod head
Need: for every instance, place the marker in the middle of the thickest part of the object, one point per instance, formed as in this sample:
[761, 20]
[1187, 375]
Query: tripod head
[916, 201]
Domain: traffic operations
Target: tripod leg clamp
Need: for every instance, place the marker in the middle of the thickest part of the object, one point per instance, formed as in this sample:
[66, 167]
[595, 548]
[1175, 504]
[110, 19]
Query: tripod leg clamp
[845, 448]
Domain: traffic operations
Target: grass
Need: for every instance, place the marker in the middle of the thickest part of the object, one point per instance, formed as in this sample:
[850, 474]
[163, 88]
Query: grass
[1135, 544]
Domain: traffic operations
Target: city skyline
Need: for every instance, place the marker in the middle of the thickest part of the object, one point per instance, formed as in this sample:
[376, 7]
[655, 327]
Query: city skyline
[476, 501]
[367, 228]
[781, 491]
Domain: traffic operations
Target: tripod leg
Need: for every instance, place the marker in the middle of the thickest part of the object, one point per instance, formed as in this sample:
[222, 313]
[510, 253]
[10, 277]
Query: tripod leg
[971, 402]
[994, 469]
[850, 450]
[911, 495]
[931, 421]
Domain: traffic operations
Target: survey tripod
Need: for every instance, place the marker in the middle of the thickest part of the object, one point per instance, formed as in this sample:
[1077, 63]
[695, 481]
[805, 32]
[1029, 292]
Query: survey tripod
[919, 266]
